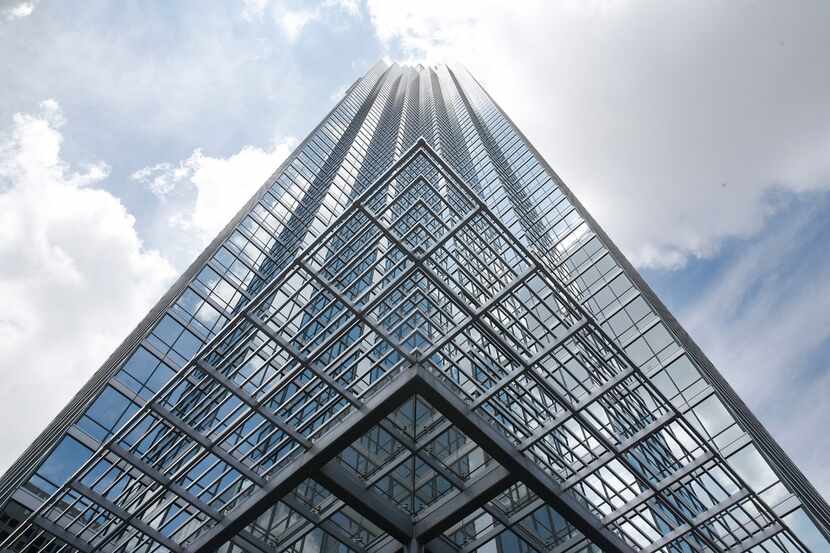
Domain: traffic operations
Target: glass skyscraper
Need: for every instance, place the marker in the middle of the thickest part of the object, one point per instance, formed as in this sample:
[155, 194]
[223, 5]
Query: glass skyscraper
[412, 337]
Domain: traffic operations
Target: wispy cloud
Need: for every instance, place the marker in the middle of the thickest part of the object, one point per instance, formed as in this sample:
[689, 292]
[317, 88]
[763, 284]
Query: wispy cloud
[292, 21]
[252, 9]
[765, 322]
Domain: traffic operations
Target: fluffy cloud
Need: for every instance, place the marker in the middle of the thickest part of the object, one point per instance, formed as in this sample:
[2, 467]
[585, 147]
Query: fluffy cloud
[293, 21]
[215, 187]
[676, 124]
[74, 275]
[19, 10]
[253, 8]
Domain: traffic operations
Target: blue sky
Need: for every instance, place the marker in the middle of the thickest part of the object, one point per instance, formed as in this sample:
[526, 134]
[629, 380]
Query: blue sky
[697, 134]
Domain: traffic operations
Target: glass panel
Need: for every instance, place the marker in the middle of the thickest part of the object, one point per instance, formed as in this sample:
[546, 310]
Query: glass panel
[61, 463]
[144, 373]
[107, 414]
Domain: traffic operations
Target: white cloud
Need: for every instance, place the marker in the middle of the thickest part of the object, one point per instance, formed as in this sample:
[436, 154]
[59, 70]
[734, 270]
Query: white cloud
[161, 178]
[19, 10]
[351, 7]
[765, 301]
[253, 8]
[428, 30]
[674, 124]
[221, 186]
[74, 275]
[294, 21]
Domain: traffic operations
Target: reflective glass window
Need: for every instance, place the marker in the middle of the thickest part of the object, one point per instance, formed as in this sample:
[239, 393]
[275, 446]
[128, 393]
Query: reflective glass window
[61, 463]
[106, 414]
[144, 373]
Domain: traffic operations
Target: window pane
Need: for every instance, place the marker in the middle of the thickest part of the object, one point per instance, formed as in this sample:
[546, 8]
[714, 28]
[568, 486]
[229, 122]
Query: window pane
[64, 460]
[144, 373]
[108, 412]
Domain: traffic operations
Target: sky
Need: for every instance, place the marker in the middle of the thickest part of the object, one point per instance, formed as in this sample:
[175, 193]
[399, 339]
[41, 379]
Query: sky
[696, 133]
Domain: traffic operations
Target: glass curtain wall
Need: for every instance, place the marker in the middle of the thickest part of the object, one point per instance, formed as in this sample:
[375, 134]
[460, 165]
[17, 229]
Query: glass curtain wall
[414, 226]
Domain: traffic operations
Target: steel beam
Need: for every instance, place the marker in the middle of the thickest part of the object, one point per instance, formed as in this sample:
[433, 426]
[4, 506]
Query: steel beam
[352, 427]
[126, 517]
[760, 537]
[661, 486]
[314, 463]
[59, 533]
[698, 520]
[327, 526]
[381, 511]
[466, 502]
[497, 445]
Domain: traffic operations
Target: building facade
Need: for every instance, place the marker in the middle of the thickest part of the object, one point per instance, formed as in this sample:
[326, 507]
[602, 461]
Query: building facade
[413, 336]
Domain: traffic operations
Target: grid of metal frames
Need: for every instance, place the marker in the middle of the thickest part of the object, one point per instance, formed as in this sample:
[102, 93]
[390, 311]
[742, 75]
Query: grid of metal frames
[416, 378]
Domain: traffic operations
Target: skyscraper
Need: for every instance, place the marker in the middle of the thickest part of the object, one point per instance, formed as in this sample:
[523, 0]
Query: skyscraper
[413, 336]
